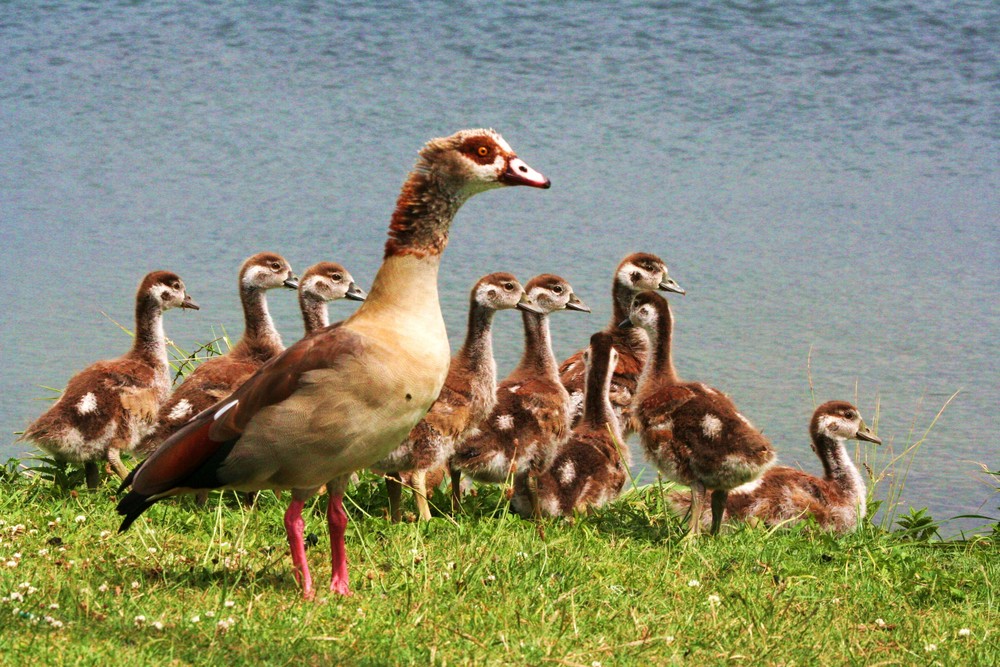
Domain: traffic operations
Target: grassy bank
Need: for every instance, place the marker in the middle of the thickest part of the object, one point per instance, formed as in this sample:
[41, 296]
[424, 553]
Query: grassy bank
[213, 586]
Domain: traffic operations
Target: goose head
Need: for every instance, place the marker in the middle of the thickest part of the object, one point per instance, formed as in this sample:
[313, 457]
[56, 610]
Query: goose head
[329, 281]
[472, 161]
[839, 420]
[642, 271]
[550, 293]
[166, 290]
[649, 311]
[502, 291]
[267, 270]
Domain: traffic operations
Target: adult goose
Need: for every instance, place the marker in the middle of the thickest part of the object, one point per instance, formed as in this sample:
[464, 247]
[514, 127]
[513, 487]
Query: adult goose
[692, 432]
[344, 397]
[468, 396]
[590, 469]
[217, 377]
[108, 407]
[531, 417]
[786, 495]
[636, 273]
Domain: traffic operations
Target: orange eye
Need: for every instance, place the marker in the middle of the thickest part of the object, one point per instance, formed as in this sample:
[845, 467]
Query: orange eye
[483, 151]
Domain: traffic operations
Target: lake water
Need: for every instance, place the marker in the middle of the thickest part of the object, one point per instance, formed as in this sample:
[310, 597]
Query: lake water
[821, 177]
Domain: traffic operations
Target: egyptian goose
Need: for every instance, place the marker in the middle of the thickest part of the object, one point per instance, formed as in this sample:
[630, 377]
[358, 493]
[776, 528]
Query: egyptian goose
[785, 495]
[342, 398]
[692, 432]
[531, 417]
[111, 405]
[636, 273]
[468, 396]
[217, 377]
[320, 284]
[591, 468]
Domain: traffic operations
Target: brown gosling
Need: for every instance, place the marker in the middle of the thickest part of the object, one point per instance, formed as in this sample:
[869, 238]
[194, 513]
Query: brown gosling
[531, 417]
[590, 469]
[692, 433]
[785, 496]
[636, 273]
[108, 407]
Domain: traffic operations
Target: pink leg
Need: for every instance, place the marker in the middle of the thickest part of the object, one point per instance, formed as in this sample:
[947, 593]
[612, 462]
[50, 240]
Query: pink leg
[336, 517]
[294, 526]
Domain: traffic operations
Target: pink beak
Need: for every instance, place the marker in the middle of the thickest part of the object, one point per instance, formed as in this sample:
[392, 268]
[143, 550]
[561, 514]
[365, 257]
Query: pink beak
[519, 173]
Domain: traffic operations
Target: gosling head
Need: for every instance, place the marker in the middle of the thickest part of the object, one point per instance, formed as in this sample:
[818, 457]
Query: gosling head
[502, 291]
[642, 271]
[329, 281]
[166, 290]
[267, 270]
[649, 311]
[601, 348]
[551, 293]
[839, 420]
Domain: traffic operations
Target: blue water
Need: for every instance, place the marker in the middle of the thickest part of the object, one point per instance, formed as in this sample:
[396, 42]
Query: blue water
[821, 177]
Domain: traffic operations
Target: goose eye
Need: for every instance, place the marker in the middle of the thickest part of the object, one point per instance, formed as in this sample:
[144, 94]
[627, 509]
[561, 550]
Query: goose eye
[483, 151]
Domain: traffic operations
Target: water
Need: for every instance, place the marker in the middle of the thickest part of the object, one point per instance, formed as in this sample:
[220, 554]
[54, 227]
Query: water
[821, 178]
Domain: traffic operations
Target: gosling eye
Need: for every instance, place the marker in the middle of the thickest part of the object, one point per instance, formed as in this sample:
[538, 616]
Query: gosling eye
[275, 266]
[508, 286]
[557, 289]
[337, 277]
[176, 285]
[849, 414]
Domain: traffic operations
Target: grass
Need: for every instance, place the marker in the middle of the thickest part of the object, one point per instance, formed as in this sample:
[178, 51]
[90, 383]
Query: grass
[619, 587]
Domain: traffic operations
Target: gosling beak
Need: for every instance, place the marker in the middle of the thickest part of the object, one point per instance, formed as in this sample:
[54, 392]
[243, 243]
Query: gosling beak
[291, 282]
[625, 324]
[668, 284]
[355, 293]
[519, 173]
[526, 305]
[865, 433]
[188, 302]
[576, 304]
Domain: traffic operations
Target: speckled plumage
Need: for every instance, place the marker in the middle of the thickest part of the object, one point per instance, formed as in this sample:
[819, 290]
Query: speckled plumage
[531, 417]
[111, 405]
[786, 495]
[635, 273]
[690, 431]
[590, 469]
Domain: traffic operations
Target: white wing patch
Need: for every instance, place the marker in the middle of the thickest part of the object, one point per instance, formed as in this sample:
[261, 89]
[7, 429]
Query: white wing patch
[567, 472]
[87, 404]
[711, 426]
[505, 422]
[181, 410]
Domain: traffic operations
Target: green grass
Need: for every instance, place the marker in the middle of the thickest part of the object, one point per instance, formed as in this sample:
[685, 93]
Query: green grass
[619, 587]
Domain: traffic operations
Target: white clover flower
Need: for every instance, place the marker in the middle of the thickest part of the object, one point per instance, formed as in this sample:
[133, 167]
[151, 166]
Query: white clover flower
[151, 550]
[157, 625]
[930, 648]
[103, 588]
[209, 614]
[24, 584]
[105, 534]
[225, 623]
[139, 620]
[52, 524]
[135, 585]
[196, 619]
[964, 632]
[879, 622]
[491, 577]
[669, 639]
[228, 603]
[80, 518]
[714, 600]
[54, 605]
[16, 597]
[596, 663]
[11, 563]
[43, 552]
[85, 591]
[694, 583]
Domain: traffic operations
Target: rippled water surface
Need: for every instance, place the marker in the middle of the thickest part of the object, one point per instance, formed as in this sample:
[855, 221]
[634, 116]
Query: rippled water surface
[821, 177]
